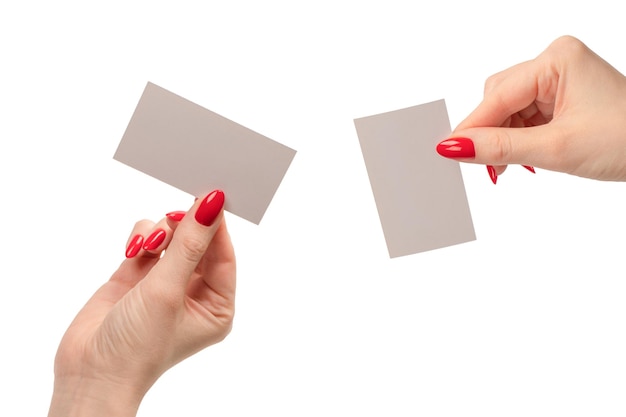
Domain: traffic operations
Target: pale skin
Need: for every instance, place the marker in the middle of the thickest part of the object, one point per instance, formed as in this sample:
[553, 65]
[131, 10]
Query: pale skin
[563, 111]
[152, 313]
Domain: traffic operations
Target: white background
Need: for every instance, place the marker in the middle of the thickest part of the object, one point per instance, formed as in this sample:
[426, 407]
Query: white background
[526, 321]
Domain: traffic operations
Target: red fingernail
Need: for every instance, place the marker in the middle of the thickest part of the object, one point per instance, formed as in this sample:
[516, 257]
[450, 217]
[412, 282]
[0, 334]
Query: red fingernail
[155, 239]
[456, 148]
[134, 246]
[175, 215]
[210, 208]
[492, 174]
[528, 167]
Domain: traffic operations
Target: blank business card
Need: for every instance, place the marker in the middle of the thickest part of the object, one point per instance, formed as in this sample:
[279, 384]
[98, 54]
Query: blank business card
[419, 195]
[197, 151]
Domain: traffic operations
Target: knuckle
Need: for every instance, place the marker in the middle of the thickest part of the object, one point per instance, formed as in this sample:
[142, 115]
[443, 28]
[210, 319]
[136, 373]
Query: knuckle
[221, 324]
[224, 331]
[501, 147]
[226, 316]
[227, 326]
[491, 83]
[192, 248]
[144, 222]
[569, 46]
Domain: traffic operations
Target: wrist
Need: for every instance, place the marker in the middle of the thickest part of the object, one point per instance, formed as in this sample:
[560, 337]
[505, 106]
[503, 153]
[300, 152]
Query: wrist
[84, 397]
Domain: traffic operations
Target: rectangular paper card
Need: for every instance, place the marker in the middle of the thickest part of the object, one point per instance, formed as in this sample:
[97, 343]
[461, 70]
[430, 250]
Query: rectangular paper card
[197, 151]
[419, 195]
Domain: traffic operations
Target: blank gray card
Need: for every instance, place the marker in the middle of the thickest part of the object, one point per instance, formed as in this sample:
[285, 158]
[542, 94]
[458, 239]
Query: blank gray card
[419, 195]
[197, 151]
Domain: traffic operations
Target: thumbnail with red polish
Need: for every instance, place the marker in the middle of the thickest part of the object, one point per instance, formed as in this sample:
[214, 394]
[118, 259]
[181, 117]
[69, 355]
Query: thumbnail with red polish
[456, 148]
[210, 208]
[134, 246]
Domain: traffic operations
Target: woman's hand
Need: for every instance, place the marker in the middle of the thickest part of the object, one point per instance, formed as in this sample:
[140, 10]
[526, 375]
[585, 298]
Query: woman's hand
[154, 312]
[563, 111]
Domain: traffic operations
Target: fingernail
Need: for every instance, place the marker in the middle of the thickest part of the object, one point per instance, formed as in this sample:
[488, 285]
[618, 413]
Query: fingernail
[210, 207]
[528, 167]
[155, 239]
[175, 215]
[492, 173]
[134, 246]
[456, 148]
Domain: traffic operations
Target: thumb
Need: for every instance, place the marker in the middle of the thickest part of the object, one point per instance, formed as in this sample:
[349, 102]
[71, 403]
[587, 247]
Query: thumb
[499, 146]
[190, 242]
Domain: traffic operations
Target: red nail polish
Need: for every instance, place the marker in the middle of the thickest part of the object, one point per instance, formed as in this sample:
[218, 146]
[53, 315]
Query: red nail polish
[175, 215]
[528, 167]
[155, 239]
[492, 173]
[134, 246]
[456, 148]
[210, 207]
